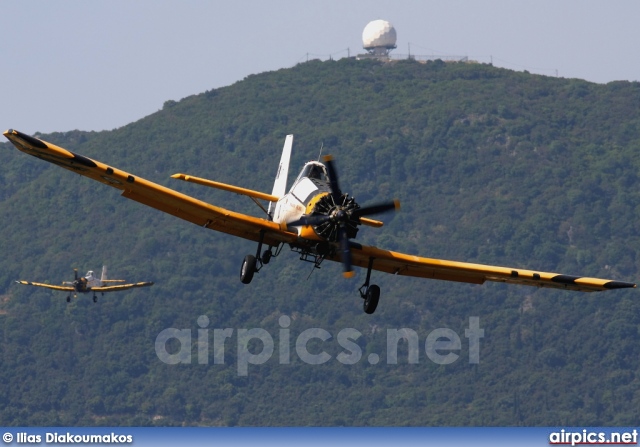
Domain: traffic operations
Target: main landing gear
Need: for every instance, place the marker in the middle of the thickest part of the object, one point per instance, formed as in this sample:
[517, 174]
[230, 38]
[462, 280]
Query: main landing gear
[369, 293]
[250, 262]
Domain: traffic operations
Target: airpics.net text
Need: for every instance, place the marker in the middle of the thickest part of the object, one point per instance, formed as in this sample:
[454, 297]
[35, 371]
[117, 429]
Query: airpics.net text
[256, 346]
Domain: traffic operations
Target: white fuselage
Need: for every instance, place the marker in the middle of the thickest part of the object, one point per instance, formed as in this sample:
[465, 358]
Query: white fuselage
[92, 280]
[89, 281]
[313, 180]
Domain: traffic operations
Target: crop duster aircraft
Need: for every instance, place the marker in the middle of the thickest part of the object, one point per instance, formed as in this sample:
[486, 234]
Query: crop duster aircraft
[89, 283]
[314, 218]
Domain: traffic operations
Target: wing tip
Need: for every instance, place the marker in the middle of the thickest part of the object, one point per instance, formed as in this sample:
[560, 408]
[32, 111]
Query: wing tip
[28, 138]
[619, 285]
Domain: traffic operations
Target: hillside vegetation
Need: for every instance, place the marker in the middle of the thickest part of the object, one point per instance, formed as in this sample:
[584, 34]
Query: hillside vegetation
[490, 165]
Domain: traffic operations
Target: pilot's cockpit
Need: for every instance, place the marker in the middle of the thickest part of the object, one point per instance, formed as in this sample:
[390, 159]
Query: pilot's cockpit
[314, 170]
[312, 178]
[89, 274]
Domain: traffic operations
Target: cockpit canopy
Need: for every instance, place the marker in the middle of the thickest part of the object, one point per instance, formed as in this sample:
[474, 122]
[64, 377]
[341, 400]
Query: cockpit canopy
[314, 170]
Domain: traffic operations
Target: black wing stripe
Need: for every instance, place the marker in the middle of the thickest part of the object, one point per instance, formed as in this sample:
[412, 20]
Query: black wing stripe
[81, 159]
[565, 279]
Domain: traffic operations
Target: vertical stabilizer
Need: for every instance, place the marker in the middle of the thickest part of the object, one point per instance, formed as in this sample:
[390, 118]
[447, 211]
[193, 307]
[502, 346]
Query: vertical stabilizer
[280, 184]
[103, 278]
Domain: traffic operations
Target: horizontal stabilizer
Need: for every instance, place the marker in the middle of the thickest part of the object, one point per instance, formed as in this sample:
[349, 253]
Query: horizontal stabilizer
[226, 187]
[371, 222]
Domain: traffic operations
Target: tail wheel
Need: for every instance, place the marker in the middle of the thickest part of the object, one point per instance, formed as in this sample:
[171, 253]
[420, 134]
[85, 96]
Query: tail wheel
[248, 269]
[371, 299]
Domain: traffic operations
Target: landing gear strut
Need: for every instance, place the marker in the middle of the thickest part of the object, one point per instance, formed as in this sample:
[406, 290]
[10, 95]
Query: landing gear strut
[369, 293]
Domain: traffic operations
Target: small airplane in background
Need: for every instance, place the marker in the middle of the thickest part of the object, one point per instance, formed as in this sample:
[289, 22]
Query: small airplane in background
[314, 218]
[89, 283]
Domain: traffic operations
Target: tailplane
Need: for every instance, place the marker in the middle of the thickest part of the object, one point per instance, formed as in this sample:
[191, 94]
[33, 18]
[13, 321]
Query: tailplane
[104, 279]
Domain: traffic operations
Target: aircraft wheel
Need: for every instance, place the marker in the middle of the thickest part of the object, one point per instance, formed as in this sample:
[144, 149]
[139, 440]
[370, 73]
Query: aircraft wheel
[371, 299]
[248, 269]
[266, 256]
[69, 299]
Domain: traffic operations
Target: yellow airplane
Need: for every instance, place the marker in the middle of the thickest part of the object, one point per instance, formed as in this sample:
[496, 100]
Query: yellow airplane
[314, 218]
[89, 283]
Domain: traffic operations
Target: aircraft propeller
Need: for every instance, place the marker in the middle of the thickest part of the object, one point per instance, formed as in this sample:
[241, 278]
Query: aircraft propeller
[341, 216]
[77, 281]
[73, 283]
[75, 278]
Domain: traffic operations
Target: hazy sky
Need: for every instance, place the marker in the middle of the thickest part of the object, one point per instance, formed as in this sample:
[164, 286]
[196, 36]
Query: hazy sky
[96, 65]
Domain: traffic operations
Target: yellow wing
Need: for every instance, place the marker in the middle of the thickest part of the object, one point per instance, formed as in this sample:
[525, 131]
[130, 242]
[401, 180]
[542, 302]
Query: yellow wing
[120, 287]
[409, 265]
[154, 195]
[48, 286]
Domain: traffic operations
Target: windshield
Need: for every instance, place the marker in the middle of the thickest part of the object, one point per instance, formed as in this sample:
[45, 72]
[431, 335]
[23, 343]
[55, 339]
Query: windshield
[314, 170]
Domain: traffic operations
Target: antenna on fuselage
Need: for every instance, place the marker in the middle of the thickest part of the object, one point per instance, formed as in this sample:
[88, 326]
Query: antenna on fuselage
[320, 154]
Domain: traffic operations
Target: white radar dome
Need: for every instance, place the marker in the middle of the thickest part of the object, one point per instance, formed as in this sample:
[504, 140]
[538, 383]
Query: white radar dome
[379, 33]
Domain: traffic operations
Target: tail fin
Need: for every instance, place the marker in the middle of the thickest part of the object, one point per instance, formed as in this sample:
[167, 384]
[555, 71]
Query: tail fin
[280, 184]
[103, 278]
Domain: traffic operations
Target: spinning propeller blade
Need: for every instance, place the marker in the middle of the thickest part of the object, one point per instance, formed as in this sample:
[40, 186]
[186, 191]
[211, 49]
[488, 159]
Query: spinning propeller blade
[345, 252]
[376, 209]
[310, 219]
[333, 178]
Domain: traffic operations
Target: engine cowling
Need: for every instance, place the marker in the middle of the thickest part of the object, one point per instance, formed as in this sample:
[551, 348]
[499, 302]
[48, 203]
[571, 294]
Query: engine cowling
[338, 213]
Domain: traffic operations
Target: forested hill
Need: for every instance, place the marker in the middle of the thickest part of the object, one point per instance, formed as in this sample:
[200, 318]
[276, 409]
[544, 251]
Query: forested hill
[490, 165]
